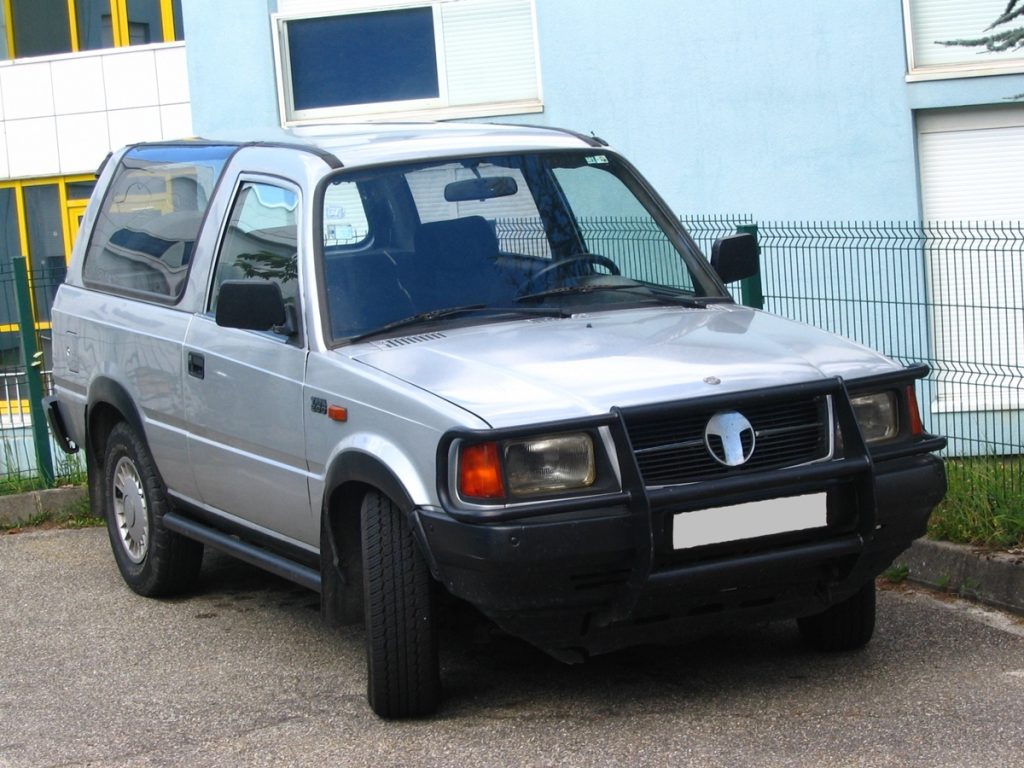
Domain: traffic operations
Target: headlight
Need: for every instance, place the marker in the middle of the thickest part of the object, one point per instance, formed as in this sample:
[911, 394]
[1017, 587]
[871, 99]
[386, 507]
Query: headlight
[876, 415]
[526, 467]
[550, 464]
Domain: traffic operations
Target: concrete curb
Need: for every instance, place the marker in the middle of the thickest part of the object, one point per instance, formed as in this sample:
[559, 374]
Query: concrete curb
[22, 507]
[993, 578]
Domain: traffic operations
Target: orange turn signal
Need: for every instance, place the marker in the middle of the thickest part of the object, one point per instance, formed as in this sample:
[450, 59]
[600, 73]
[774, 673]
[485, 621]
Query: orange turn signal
[480, 475]
[337, 413]
[916, 427]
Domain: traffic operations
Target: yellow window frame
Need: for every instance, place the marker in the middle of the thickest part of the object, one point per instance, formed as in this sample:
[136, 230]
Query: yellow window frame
[66, 204]
[118, 18]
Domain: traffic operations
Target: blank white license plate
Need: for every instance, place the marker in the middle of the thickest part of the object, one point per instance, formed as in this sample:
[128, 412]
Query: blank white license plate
[749, 521]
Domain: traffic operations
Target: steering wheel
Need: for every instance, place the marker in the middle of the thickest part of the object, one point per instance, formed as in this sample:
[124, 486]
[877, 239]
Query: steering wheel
[591, 258]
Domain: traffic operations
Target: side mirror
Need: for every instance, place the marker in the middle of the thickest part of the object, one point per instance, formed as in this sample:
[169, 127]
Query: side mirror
[254, 305]
[735, 257]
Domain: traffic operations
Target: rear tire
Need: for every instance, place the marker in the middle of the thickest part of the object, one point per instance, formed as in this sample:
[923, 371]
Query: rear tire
[846, 626]
[153, 561]
[403, 672]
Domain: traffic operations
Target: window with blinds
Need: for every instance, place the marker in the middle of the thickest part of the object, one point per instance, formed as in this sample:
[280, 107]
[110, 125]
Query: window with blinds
[929, 23]
[436, 59]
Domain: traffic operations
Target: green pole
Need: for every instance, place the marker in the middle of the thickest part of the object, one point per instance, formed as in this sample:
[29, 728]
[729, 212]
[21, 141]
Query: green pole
[33, 361]
[750, 287]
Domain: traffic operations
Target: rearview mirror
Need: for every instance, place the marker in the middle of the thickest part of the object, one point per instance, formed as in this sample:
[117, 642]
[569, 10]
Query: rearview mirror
[480, 189]
[253, 305]
[735, 257]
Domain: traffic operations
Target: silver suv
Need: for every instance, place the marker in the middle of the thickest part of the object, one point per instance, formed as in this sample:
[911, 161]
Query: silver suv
[394, 360]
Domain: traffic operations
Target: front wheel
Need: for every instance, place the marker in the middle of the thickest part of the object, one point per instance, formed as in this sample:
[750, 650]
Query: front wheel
[153, 561]
[845, 626]
[403, 671]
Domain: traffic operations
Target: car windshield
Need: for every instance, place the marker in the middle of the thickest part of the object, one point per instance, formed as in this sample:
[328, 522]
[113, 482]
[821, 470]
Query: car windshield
[522, 234]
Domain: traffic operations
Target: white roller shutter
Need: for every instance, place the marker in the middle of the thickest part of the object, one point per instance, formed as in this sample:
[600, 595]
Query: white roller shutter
[972, 186]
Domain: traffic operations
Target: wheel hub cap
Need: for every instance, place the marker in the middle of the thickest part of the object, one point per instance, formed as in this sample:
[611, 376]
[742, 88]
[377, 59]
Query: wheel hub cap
[130, 510]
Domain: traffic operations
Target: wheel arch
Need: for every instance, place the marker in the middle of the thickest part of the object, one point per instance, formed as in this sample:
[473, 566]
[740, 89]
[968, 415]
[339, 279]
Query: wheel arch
[108, 404]
[350, 477]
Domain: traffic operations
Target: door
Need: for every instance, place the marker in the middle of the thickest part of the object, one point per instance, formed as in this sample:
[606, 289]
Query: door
[243, 388]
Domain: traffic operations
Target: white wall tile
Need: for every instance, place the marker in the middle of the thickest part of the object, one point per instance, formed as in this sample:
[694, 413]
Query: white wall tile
[27, 90]
[32, 147]
[78, 85]
[130, 125]
[130, 79]
[171, 75]
[83, 141]
[176, 121]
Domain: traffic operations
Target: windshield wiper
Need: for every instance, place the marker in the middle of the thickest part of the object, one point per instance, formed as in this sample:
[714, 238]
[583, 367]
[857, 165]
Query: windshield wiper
[576, 290]
[419, 317]
[440, 314]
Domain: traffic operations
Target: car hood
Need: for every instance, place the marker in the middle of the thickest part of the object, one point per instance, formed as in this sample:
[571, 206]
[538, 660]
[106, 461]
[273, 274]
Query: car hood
[537, 370]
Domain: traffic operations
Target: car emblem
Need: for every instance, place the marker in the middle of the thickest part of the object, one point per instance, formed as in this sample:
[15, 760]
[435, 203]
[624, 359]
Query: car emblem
[729, 438]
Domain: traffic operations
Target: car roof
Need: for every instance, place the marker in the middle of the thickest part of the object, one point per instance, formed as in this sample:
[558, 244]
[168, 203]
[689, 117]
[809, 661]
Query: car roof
[360, 144]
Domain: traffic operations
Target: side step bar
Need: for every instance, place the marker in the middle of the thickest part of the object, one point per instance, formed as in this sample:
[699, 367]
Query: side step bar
[249, 553]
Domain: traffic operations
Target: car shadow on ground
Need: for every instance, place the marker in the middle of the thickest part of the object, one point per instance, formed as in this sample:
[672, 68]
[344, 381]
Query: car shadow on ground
[488, 673]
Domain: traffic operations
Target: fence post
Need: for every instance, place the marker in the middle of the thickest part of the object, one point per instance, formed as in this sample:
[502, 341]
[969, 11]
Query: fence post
[32, 359]
[750, 287]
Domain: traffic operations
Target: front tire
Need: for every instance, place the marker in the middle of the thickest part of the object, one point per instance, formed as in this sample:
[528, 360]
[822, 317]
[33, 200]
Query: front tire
[403, 671]
[846, 626]
[153, 561]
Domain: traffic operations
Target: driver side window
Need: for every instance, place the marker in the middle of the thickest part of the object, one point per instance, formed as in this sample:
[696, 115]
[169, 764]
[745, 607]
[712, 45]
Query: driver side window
[261, 240]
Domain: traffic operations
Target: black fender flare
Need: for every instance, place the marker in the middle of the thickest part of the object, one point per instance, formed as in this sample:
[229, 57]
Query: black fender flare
[341, 599]
[104, 390]
[359, 467]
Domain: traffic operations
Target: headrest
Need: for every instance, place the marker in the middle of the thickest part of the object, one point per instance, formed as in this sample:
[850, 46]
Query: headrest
[469, 239]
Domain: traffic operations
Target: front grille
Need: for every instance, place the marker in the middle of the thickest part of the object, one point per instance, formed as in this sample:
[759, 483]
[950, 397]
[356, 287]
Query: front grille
[670, 448]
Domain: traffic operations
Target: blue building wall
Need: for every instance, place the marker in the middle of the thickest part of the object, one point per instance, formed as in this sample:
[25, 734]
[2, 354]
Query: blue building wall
[787, 109]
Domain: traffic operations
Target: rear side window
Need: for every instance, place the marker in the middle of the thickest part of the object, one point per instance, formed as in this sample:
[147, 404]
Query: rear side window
[147, 226]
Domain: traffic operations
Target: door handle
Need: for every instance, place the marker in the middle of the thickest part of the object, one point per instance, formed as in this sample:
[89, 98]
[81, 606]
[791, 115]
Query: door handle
[196, 365]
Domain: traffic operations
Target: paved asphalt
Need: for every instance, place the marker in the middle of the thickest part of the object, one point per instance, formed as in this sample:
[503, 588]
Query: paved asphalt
[243, 674]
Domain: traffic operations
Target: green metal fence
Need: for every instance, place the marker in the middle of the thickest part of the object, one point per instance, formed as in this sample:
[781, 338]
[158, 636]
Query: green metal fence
[28, 452]
[947, 294]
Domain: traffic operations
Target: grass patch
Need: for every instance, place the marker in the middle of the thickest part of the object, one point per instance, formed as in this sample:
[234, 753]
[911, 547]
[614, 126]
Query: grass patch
[985, 503]
[896, 574]
[67, 470]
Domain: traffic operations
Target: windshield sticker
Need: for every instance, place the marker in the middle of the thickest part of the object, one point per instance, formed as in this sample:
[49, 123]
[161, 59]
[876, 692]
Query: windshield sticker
[597, 160]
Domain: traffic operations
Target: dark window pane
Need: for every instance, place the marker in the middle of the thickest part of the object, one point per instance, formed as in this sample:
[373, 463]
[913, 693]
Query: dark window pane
[47, 254]
[179, 24]
[363, 58]
[45, 223]
[10, 247]
[80, 190]
[95, 28]
[40, 27]
[144, 23]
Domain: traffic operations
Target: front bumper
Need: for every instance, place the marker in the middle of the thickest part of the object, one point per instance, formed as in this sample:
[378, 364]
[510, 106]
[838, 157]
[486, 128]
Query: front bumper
[577, 584]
